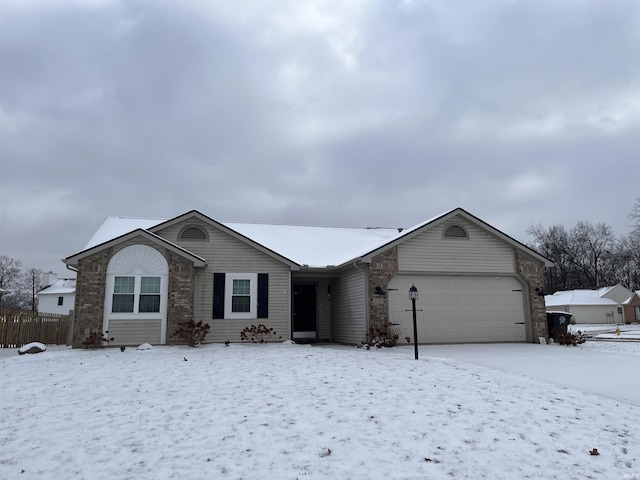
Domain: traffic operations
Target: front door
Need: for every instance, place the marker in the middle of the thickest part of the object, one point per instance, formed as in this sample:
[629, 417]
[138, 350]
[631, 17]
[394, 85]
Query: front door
[304, 311]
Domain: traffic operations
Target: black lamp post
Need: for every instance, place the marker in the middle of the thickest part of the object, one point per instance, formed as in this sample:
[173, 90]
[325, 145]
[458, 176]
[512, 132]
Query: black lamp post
[413, 296]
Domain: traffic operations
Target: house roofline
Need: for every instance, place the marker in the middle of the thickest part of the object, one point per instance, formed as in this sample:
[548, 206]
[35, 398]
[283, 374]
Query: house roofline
[419, 228]
[228, 230]
[72, 260]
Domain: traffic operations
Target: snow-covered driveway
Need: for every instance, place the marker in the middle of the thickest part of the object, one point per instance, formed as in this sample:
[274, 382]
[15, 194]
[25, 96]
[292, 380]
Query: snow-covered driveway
[608, 369]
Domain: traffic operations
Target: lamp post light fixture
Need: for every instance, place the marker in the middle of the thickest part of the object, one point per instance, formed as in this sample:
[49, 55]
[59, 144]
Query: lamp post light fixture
[413, 296]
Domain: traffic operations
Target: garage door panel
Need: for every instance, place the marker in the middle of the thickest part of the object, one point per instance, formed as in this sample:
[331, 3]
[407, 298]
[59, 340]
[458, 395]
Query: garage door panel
[460, 309]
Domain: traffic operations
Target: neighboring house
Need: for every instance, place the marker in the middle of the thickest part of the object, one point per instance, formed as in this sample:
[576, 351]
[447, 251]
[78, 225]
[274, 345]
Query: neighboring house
[58, 296]
[591, 306]
[631, 308]
[138, 278]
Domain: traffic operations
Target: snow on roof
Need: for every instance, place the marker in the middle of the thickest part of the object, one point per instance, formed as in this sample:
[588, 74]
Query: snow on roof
[316, 246]
[114, 227]
[580, 297]
[305, 245]
[59, 287]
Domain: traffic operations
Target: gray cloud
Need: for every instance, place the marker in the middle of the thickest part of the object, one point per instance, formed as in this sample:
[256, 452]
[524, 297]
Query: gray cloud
[327, 112]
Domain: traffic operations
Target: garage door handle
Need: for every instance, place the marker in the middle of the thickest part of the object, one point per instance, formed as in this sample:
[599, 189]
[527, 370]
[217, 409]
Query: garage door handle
[518, 323]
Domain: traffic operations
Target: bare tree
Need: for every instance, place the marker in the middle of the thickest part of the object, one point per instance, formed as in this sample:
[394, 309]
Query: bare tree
[634, 216]
[10, 272]
[553, 243]
[590, 246]
[587, 256]
[33, 284]
[11, 279]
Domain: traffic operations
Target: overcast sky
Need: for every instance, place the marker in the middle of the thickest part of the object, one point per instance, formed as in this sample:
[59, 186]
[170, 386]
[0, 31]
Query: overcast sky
[346, 113]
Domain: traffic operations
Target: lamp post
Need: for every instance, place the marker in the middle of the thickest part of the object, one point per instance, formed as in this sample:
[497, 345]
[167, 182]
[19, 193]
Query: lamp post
[413, 296]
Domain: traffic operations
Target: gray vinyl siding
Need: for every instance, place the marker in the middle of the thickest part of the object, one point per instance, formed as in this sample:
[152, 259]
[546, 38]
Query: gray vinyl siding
[479, 253]
[324, 310]
[136, 332]
[226, 254]
[349, 307]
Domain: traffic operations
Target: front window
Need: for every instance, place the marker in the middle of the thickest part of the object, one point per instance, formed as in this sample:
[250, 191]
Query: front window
[241, 297]
[149, 295]
[60, 301]
[123, 294]
[637, 311]
[141, 294]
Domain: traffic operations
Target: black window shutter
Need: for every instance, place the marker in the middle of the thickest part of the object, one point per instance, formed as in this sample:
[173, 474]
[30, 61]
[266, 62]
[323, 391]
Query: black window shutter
[263, 295]
[218, 295]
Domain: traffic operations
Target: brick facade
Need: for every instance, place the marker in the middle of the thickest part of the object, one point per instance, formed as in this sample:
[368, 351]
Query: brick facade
[182, 281]
[531, 271]
[381, 270]
[629, 309]
[91, 282]
[91, 288]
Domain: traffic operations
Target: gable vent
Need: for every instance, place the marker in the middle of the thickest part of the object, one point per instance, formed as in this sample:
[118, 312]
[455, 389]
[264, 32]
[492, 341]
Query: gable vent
[193, 233]
[455, 231]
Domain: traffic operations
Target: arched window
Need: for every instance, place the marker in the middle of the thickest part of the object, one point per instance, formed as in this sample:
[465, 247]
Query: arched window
[192, 233]
[136, 293]
[455, 231]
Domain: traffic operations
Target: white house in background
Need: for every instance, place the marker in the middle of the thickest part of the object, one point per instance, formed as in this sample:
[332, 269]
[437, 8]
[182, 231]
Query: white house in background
[591, 306]
[58, 295]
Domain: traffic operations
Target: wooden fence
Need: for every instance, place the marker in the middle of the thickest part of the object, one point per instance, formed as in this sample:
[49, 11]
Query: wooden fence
[19, 327]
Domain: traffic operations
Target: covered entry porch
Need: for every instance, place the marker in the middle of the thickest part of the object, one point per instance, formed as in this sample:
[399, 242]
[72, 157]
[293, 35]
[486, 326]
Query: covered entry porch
[310, 307]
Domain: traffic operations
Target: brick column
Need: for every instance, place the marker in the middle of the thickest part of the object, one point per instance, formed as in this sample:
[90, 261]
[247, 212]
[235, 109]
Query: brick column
[181, 294]
[531, 271]
[91, 282]
[381, 270]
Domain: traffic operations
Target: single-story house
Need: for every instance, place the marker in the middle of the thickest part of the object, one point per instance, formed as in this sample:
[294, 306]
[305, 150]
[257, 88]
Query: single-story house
[57, 295]
[137, 278]
[604, 305]
[631, 308]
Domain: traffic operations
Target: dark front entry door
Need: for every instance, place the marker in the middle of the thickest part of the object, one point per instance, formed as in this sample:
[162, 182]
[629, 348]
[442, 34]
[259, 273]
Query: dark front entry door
[304, 311]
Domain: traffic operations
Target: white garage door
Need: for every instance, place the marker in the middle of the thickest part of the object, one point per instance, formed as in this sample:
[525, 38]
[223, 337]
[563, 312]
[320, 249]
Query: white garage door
[459, 309]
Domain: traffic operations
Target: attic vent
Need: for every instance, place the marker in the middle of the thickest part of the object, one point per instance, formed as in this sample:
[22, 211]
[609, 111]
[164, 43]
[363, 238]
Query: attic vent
[193, 233]
[455, 231]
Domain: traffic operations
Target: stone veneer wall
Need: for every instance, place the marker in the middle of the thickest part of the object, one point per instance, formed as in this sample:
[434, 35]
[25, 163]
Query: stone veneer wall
[91, 286]
[531, 271]
[381, 270]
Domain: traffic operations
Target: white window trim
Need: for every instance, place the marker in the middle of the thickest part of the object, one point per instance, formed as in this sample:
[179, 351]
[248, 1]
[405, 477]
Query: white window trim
[253, 292]
[136, 298]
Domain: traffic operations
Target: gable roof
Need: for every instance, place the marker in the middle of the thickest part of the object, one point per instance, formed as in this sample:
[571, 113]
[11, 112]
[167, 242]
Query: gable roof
[72, 260]
[60, 286]
[309, 246]
[433, 222]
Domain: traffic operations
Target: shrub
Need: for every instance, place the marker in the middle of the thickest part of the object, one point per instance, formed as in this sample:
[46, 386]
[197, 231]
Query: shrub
[257, 334]
[192, 333]
[97, 340]
[383, 335]
[568, 338]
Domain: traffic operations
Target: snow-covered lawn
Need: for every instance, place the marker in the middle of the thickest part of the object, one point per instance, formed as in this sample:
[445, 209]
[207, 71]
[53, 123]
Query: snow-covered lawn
[285, 411]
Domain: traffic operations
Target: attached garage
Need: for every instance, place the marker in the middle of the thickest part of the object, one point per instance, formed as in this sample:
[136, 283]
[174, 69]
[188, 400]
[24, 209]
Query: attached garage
[460, 308]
